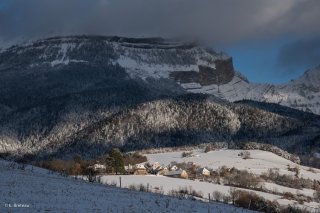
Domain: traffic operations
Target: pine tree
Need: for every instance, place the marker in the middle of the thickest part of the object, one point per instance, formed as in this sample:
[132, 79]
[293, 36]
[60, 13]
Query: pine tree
[117, 160]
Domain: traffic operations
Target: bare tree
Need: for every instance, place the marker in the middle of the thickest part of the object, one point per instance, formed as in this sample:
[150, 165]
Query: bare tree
[217, 196]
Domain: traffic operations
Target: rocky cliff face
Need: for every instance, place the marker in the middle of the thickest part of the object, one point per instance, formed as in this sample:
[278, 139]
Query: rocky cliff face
[222, 73]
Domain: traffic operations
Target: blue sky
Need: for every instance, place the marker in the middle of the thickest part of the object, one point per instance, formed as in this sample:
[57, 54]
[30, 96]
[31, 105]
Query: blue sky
[276, 60]
[258, 61]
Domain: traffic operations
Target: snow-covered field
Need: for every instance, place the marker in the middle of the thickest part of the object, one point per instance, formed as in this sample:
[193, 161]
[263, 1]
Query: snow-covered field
[260, 161]
[39, 191]
[167, 184]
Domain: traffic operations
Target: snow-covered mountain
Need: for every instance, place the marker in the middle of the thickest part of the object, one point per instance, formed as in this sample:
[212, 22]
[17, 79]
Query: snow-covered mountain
[302, 94]
[212, 73]
[67, 90]
[194, 67]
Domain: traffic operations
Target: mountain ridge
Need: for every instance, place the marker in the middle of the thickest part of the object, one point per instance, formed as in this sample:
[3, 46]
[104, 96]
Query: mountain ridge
[53, 89]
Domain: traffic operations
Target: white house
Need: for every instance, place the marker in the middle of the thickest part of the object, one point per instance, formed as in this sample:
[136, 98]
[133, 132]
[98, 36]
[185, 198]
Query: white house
[174, 168]
[98, 167]
[203, 171]
[140, 166]
[128, 168]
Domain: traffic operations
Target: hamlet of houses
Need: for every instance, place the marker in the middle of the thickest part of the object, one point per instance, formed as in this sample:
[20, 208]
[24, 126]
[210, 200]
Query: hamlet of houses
[176, 170]
[184, 170]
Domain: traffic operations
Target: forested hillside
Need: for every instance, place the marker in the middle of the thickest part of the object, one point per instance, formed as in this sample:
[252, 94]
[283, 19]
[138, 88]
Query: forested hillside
[185, 120]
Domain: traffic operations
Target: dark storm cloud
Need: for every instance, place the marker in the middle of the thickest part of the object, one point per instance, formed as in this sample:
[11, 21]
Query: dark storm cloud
[299, 54]
[211, 20]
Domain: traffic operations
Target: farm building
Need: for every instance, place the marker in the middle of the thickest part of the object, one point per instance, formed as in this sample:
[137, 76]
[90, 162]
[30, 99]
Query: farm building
[177, 174]
[156, 166]
[140, 169]
[163, 171]
[203, 172]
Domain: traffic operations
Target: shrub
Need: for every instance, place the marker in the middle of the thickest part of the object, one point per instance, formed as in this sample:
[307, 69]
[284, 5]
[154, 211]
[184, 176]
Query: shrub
[295, 169]
[226, 199]
[207, 149]
[91, 174]
[241, 178]
[177, 194]
[288, 180]
[215, 177]
[195, 193]
[233, 194]
[133, 187]
[289, 196]
[245, 179]
[182, 165]
[253, 201]
[223, 171]
[245, 155]
[184, 192]
[187, 154]
[217, 195]
[142, 188]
